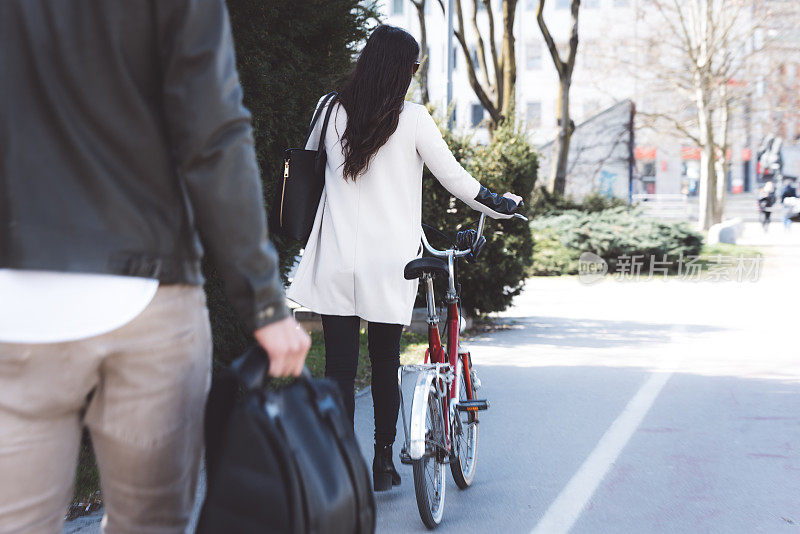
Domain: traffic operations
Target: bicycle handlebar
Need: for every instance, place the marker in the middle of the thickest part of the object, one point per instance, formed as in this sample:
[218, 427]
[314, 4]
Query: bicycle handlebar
[461, 253]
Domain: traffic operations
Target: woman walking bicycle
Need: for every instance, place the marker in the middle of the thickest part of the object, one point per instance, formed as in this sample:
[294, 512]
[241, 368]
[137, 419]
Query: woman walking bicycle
[368, 224]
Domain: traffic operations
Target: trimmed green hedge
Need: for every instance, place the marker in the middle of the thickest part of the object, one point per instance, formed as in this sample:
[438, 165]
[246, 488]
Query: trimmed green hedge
[610, 233]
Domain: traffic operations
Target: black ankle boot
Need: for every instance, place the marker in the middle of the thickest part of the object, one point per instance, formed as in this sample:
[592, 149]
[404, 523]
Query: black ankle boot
[384, 475]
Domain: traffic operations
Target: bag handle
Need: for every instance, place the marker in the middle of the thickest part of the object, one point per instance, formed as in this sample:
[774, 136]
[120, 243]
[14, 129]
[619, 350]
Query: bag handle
[318, 112]
[252, 369]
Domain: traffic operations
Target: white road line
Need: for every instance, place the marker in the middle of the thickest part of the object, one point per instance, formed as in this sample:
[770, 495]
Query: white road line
[569, 504]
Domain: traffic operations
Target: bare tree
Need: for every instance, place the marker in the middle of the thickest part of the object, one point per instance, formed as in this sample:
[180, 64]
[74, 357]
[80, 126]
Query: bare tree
[700, 55]
[495, 89]
[564, 68]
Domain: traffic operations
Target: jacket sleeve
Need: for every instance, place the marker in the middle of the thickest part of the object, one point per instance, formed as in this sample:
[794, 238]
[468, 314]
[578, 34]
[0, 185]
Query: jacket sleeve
[212, 140]
[437, 156]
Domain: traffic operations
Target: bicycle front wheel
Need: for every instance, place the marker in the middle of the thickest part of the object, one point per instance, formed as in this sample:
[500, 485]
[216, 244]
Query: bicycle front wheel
[429, 477]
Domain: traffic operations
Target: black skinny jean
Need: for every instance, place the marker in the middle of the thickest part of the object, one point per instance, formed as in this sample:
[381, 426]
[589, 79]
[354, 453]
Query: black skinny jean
[341, 363]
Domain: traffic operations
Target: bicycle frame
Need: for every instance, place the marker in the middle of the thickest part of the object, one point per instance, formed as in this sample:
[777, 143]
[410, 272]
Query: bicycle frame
[436, 354]
[440, 366]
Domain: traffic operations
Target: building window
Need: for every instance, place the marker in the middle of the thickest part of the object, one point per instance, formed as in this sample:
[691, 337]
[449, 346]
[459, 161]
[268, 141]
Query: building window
[533, 56]
[476, 115]
[533, 114]
[591, 4]
[474, 54]
[621, 3]
[562, 4]
[454, 116]
[397, 7]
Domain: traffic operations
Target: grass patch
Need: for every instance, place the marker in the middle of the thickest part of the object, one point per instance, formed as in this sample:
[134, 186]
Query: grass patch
[412, 350]
[720, 255]
[726, 249]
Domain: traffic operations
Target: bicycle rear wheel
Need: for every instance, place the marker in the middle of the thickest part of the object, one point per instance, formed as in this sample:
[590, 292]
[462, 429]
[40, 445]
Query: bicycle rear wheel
[429, 477]
[465, 439]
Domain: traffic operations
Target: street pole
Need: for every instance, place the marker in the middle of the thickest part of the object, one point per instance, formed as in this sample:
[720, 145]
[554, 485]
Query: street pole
[450, 51]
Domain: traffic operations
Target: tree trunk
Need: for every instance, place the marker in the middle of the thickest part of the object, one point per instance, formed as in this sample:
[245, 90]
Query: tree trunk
[708, 175]
[722, 163]
[508, 61]
[424, 59]
[721, 188]
[558, 177]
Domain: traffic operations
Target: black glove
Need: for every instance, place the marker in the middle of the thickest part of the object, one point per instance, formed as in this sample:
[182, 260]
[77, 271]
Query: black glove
[466, 239]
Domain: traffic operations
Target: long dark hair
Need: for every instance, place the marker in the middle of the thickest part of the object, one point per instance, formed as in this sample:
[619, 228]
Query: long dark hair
[373, 95]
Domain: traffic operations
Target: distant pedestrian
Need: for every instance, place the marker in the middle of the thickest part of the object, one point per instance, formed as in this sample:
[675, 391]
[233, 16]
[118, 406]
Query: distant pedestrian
[766, 199]
[789, 202]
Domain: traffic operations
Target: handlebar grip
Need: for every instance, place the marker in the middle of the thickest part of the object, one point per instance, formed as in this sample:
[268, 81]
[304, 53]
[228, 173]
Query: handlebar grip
[472, 241]
[476, 249]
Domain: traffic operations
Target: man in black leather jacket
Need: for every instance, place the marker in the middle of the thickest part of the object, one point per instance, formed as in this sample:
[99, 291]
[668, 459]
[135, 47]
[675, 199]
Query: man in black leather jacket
[125, 150]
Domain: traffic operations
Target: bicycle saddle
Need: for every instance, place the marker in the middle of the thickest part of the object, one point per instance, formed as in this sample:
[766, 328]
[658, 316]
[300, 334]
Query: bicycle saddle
[429, 265]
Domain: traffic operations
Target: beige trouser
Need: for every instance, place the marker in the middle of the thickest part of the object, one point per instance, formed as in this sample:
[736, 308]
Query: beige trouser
[143, 389]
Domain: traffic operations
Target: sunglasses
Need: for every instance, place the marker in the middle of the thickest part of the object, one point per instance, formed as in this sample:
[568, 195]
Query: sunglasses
[416, 66]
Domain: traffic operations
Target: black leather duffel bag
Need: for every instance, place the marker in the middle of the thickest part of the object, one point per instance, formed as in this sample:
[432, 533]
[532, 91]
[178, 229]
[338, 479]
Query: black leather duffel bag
[281, 460]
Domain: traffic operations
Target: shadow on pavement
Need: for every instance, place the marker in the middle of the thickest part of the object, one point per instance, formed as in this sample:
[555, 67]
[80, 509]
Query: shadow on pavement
[585, 333]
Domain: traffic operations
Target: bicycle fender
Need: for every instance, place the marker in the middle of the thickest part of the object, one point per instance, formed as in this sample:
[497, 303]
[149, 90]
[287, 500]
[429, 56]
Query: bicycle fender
[419, 406]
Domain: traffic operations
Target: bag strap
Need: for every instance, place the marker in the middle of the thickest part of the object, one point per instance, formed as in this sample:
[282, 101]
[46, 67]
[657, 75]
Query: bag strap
[321, 158]
[318, 112]
[321, 145]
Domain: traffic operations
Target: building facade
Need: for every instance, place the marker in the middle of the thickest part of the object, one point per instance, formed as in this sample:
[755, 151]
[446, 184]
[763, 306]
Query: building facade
[615, 47]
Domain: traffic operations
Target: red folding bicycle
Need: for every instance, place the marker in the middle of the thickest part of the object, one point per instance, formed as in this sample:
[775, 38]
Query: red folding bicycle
[443, 424]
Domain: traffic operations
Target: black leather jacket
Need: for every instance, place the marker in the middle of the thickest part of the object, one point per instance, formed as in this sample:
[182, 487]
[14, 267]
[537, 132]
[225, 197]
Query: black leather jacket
[124, 145]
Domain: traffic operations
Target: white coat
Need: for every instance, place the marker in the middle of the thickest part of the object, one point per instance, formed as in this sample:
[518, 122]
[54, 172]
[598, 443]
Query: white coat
[367, 230]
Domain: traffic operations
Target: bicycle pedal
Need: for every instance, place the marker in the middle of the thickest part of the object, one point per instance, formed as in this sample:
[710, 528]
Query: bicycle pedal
[405, 458]
[477, 405]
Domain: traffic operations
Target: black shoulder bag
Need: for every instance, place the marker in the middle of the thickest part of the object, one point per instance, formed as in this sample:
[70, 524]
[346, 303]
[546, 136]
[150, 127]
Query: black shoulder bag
[281, 460]
[303, 180]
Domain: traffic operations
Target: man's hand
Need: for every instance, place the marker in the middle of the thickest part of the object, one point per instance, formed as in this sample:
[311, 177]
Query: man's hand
[286, 344]
[515, 198]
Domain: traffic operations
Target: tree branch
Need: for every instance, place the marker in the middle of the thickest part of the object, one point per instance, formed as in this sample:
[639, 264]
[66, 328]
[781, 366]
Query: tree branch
[678, 125]
[480, 46]
[548, 39]
[573, 39]
[493, 47]
[480, 92]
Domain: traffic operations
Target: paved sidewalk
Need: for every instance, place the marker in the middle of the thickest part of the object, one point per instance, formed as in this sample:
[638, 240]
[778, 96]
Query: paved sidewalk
[629, 407]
